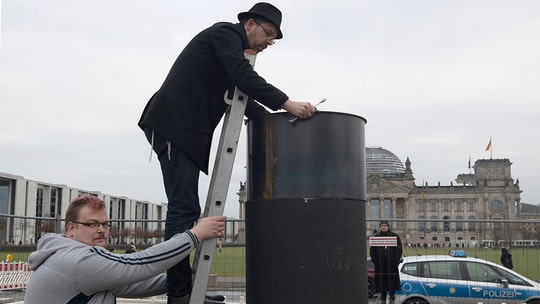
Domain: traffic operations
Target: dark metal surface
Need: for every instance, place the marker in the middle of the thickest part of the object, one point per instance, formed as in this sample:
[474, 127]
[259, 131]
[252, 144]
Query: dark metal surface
[321, 157]
[305, 210]
[306, 251]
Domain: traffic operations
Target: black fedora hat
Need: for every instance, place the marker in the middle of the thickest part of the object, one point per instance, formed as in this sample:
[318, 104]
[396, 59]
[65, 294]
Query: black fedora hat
[267, 12]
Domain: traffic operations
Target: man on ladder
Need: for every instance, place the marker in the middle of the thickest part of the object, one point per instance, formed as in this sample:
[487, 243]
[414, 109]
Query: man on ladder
[180, 118]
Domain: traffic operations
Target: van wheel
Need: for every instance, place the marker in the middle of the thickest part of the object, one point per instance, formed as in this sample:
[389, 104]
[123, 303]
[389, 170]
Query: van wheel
[415, 301]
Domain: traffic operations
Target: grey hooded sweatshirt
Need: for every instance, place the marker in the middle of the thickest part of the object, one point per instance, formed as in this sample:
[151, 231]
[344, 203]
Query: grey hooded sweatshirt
[68, 271]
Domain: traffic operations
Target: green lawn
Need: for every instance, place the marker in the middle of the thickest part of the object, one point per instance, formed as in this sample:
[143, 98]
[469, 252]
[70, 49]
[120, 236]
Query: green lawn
[16, 256]
[231, 261]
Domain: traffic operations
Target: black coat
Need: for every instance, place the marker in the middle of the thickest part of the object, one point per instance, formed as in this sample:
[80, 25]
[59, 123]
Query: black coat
[506, 258]
[386, 260]
[189, 105]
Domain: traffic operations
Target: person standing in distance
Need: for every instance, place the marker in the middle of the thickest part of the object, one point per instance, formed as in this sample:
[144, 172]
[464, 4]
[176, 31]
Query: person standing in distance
[180, 118]
[506, 257]
[386, 260]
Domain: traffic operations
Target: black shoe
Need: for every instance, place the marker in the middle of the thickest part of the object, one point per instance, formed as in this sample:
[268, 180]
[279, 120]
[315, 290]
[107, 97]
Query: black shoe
[208, 301]
[217, 297]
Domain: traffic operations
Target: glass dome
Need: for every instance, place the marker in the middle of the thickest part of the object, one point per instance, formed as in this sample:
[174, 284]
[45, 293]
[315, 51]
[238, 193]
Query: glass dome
[381, 161]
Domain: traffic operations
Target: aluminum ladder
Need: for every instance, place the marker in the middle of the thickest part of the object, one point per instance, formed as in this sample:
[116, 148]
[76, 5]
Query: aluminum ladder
[219, 184]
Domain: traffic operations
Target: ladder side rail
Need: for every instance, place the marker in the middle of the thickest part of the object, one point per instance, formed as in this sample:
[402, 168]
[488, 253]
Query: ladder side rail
[219, 185]
[214, 206]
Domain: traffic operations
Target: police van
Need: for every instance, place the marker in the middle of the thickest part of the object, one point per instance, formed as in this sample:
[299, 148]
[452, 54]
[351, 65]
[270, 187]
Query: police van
[457, 279]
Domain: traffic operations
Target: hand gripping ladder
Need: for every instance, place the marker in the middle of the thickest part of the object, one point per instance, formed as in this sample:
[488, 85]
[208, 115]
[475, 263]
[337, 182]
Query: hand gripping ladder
[219, 184]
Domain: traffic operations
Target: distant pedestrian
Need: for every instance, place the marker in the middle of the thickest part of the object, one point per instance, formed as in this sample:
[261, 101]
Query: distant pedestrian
[131, 249]
[386, 260]
[506, 257]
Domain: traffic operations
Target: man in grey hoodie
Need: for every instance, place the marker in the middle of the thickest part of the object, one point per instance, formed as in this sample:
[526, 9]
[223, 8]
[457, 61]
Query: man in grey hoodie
[77, 268]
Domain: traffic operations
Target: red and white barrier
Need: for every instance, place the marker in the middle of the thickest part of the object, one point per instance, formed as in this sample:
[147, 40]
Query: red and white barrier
[14, 275]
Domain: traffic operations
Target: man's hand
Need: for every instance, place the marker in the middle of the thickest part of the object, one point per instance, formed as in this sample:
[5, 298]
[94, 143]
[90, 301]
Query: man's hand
[209, 227]
[300, 109]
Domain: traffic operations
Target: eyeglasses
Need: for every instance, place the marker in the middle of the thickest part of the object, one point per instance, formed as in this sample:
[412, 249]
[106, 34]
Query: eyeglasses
[269, 34]
[95, 225]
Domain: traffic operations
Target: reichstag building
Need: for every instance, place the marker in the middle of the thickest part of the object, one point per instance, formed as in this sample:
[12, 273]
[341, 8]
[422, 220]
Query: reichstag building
[465, 213]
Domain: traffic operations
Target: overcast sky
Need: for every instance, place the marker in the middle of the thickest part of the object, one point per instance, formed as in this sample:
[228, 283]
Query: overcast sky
[435, 79]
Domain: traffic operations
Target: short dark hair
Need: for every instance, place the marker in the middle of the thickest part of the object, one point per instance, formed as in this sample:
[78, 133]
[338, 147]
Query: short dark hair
[72, 213]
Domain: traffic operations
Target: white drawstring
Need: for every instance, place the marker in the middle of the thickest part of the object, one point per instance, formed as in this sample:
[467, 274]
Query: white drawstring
[152, 148]
[168, 149]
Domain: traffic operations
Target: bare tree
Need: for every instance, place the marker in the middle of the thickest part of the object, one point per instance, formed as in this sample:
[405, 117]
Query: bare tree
[46, 226]
[124, 233]
[114, 232]
[139, 233]
[158, 234]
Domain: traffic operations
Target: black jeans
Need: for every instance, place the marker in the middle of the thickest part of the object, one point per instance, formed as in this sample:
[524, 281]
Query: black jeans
[181, 181]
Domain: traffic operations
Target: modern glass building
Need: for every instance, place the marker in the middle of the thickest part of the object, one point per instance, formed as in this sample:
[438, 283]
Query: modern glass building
[34, 208]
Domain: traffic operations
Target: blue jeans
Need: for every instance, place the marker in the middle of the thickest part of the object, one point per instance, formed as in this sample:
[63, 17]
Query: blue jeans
[181, 181]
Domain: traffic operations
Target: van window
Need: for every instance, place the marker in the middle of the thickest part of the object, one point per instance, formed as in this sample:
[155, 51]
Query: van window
[444, 270]
[411, 269]
[482, 273]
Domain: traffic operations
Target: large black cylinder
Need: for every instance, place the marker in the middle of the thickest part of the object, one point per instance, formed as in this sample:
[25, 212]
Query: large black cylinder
[305, 209]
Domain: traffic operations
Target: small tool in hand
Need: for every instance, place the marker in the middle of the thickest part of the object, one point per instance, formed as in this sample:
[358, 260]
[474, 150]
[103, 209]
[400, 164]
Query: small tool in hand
[294, 119]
